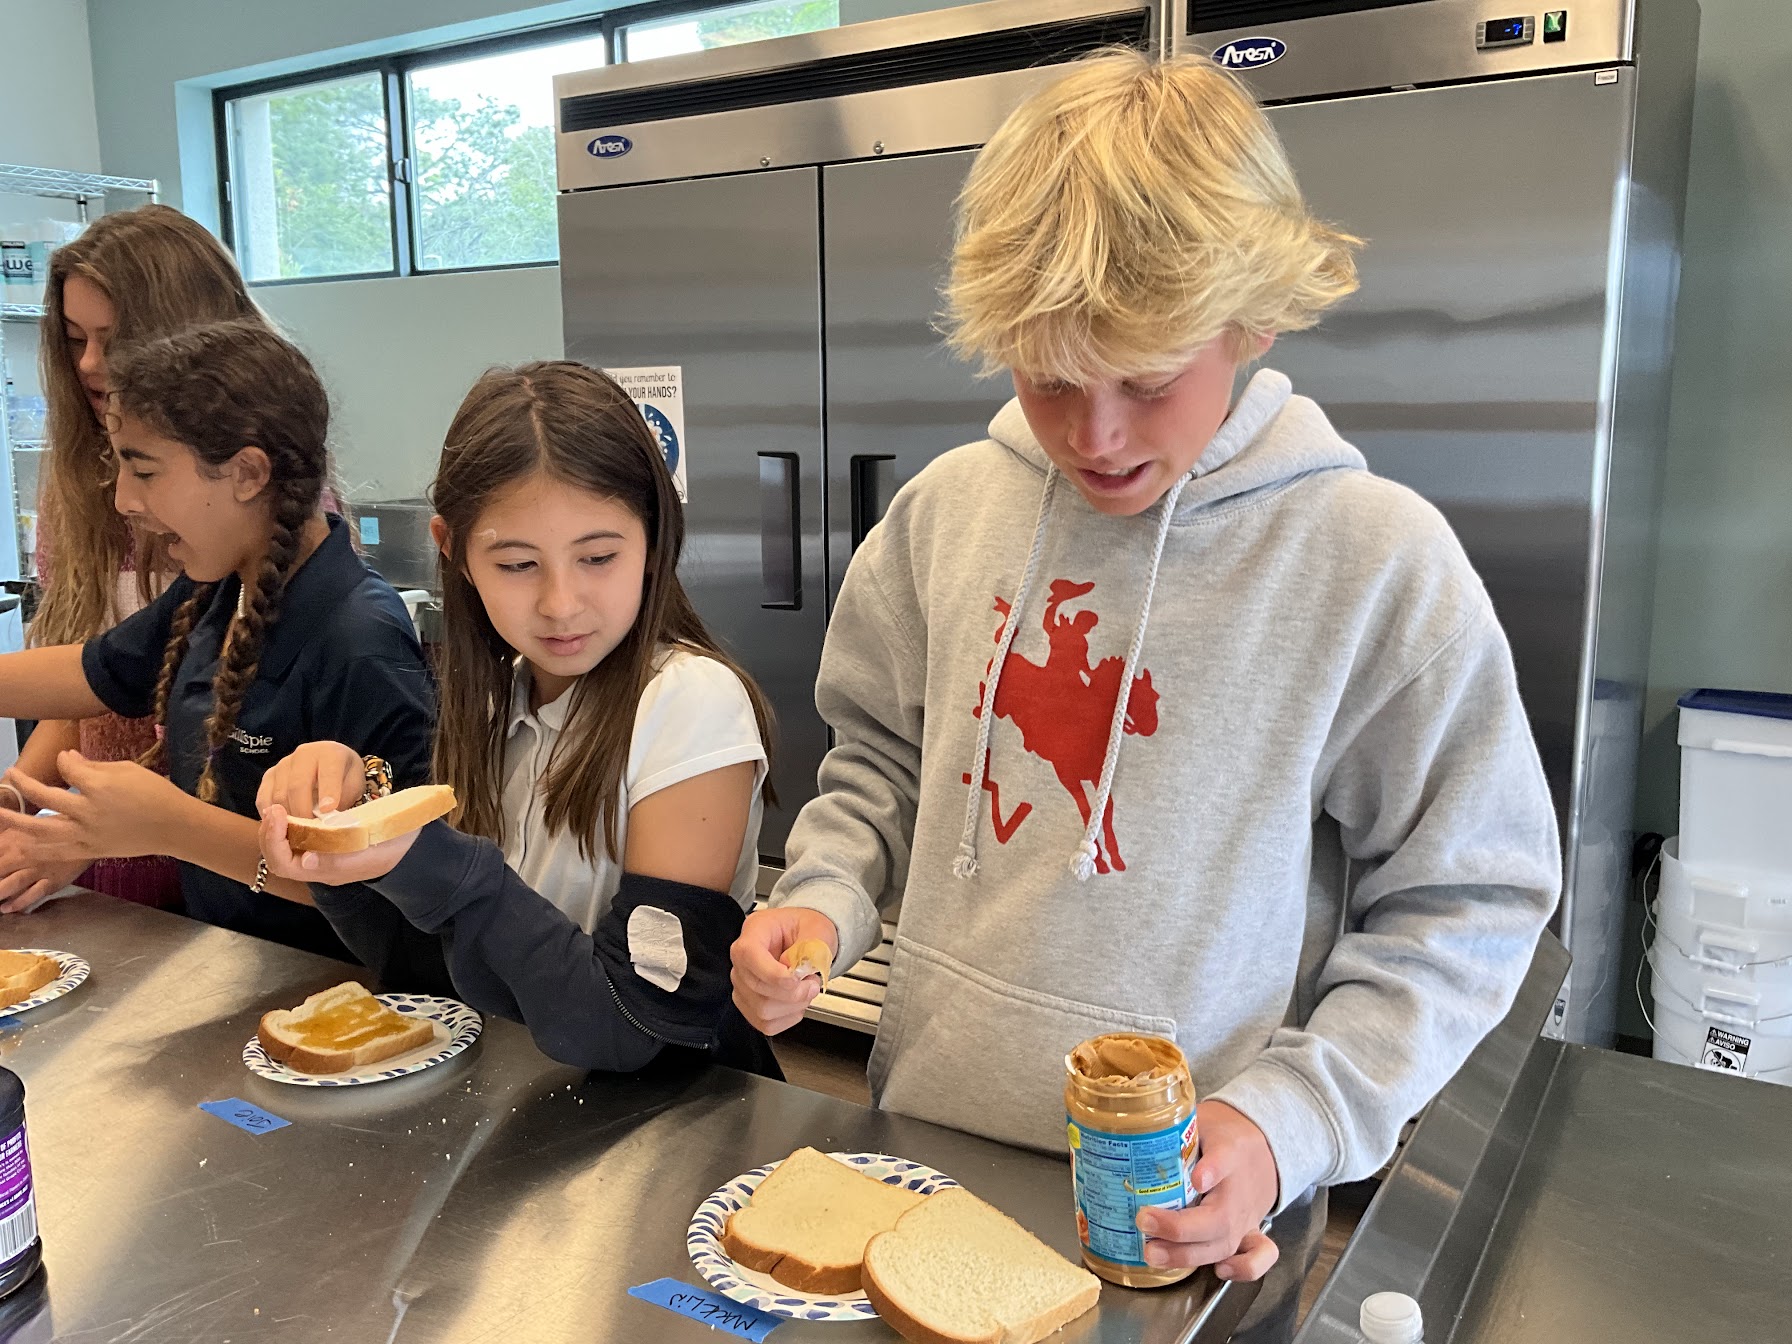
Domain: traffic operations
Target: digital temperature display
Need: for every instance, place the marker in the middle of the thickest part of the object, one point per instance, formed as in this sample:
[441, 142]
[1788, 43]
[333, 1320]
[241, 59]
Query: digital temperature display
[1506, 32]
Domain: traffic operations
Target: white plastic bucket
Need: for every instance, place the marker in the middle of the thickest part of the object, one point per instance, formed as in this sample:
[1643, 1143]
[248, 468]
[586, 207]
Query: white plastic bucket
[1759, 1000]
[1685, 1037]
[1724, 921]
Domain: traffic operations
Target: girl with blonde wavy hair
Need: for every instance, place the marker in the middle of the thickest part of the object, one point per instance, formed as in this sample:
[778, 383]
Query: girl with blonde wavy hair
[1248, 767]
[131, 275]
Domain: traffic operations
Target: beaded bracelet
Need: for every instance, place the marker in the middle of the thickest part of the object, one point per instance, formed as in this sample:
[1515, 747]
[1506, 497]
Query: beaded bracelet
[379, 778]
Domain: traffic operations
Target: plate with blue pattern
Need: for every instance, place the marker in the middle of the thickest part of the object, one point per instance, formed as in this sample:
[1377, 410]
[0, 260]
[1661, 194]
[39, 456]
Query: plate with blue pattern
[70, 972]
[731, 1279]
[456, 1027]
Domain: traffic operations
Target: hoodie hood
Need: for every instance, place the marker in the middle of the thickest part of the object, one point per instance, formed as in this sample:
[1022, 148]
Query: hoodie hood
[1271, 437]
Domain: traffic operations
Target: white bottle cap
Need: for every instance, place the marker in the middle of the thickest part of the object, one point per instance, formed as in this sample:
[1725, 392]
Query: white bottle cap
[1391, 1318]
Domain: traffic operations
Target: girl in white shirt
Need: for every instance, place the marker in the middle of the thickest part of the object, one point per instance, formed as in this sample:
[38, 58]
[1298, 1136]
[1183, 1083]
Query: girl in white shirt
[609, 760]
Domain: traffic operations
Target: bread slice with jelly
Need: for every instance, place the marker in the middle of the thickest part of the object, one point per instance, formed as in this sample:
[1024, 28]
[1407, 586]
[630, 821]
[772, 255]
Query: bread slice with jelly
[22, 974]
[340, 1029]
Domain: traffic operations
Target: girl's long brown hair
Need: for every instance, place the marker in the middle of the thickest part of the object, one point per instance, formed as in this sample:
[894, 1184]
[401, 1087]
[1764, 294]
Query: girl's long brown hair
[162, 272]
[219, 389]
[578, 427]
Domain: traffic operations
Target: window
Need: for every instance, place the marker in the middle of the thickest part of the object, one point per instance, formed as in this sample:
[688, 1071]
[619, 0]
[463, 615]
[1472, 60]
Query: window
[482, 144]
[439, 160]
[724, 27]
[310, 165]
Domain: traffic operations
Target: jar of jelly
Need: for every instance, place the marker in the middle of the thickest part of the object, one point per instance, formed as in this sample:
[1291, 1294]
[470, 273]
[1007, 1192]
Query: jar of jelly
[21, 1250]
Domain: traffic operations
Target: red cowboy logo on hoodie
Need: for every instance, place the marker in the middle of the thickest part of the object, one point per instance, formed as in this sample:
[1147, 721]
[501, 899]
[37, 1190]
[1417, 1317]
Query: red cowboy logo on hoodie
[1064, 711]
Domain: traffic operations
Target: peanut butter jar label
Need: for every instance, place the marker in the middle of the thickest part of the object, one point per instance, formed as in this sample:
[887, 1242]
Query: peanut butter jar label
[1116, 1175]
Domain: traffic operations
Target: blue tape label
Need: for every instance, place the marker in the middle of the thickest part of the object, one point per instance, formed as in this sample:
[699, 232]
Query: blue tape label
[245, 1115]
[711, 1309]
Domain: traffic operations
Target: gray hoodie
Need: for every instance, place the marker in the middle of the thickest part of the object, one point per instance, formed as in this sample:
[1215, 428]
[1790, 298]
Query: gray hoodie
[1312, 843]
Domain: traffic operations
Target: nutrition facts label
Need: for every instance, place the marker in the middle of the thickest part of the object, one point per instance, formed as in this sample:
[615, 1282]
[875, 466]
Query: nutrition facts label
[1116, 1175]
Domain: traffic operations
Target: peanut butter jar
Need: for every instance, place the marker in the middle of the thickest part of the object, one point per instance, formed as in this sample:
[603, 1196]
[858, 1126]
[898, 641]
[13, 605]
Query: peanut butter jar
[1130, 1109]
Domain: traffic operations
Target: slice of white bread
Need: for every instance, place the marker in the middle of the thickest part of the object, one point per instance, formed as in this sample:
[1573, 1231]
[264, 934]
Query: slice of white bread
[341, 1029]
[809, 957]
[367, 825]
[808, 1222]
[956, 1271]
[22, 974]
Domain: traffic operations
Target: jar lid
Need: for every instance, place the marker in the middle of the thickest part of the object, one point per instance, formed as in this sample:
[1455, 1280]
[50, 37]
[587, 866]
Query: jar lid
[1391, 1318]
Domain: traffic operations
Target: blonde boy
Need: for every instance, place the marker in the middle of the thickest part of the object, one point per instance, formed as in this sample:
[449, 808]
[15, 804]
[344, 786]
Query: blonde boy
[1157, 709]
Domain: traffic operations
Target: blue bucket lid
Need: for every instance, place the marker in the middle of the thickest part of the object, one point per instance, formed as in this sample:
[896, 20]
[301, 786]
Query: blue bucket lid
[1761, 704]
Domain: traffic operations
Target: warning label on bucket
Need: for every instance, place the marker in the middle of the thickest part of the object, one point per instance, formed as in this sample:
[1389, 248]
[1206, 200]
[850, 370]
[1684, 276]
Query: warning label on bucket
[1724, 1052]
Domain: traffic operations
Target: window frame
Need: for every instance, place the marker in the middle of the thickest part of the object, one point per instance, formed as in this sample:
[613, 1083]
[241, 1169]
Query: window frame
[400, 156]
[651, 12]
[400, 153]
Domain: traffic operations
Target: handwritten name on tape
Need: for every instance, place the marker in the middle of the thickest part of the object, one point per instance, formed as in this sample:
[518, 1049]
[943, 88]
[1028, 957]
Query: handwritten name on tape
[710, 1308]
[245, 1115]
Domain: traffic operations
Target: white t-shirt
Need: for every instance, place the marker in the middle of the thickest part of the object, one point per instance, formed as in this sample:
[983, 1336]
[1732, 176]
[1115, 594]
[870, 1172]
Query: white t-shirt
[693, 717]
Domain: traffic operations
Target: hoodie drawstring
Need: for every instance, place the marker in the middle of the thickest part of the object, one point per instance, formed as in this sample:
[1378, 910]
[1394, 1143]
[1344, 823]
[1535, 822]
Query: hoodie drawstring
[965, 865]
[1082, 865]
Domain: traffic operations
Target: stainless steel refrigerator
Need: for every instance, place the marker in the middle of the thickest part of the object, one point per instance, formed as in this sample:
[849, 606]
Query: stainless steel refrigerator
[773, 221]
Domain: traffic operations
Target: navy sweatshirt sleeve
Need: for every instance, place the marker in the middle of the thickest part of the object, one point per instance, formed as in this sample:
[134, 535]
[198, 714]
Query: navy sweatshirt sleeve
[401, 956]
[512, 952]
[123, 665]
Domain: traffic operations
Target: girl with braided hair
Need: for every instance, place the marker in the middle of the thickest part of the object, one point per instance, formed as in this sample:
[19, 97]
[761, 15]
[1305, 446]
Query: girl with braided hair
[274, 634]
[131, 276]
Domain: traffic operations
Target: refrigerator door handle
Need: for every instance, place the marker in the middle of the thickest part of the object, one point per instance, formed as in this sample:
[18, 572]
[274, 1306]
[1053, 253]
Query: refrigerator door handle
[780, 532]
[872, 478]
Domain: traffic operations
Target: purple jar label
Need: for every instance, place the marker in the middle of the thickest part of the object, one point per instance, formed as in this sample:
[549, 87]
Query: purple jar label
[18, 1209]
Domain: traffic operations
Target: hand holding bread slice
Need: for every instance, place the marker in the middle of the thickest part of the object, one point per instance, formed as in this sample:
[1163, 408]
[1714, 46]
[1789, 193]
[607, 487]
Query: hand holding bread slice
[373, 823]
[341, 1028]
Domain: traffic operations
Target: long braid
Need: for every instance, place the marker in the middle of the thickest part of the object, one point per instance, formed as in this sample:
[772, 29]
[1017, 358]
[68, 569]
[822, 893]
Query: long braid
[296, 499]
[220, 390]
[156, 758]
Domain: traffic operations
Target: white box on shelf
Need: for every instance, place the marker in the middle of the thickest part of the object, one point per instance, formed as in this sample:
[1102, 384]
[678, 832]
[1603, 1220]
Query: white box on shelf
[1736, 781]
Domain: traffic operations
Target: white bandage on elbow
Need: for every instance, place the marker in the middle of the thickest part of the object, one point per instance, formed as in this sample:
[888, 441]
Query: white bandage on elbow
[656, 947]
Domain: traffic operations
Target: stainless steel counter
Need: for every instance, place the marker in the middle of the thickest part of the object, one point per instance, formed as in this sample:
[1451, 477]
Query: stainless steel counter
[1600, 1197]
[496, 1197]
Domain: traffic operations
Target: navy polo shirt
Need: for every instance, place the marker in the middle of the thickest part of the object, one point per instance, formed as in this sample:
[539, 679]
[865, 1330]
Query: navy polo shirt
[340, 663]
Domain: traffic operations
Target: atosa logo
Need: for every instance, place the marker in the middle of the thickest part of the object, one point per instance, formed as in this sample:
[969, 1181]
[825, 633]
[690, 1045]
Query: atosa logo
[609, 146]
[1251, 53]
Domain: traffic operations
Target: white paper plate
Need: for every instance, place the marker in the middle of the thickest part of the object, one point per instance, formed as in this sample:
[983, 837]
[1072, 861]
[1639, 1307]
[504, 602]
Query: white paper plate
[74, 971]
[704, 1241]
[456, 1027]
